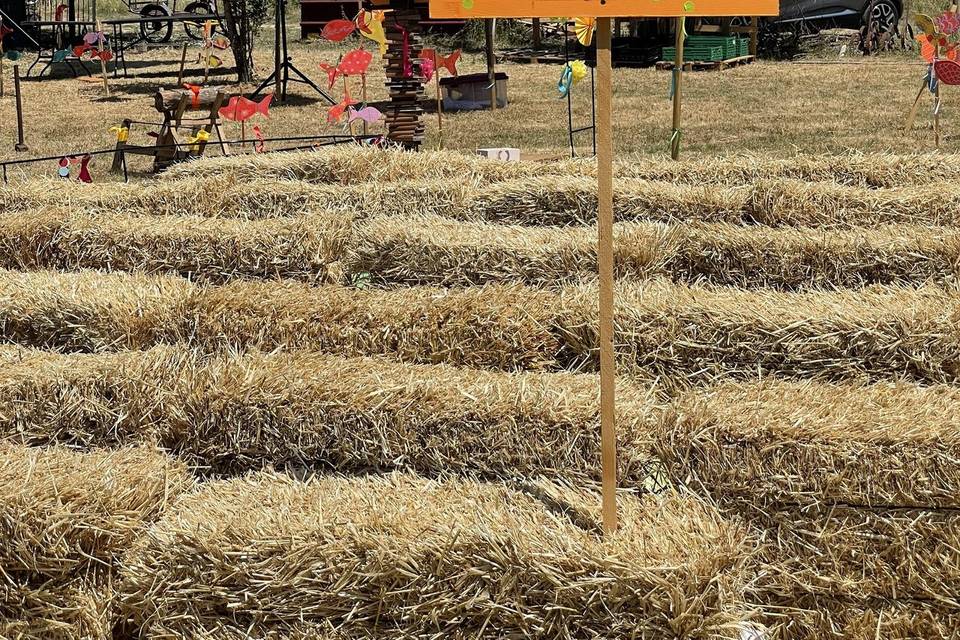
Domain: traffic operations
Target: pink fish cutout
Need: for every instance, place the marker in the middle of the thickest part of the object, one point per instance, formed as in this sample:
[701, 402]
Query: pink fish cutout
[337, 30]
[367, 114]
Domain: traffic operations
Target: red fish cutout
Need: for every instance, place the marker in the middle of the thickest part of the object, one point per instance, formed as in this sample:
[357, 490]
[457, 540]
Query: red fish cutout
[354, 63]
[440, 62]
[337, 30]
[241, 109]
[336, 113]
[948, 71]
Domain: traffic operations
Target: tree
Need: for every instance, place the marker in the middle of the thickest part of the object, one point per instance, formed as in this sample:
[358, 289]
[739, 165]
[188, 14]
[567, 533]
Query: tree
[243, 20]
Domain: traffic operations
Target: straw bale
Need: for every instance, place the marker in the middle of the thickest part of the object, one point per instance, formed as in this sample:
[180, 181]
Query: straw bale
[404, 557]
[352, 164]
[874, 170]
[826, 619]
[305, 411]
[792, 258]
[498, 327]
[65, 520]
[80, 610]
[856, 554]
[700, 333]
[91, 311]
[435, 251]
[66, 514]
[213, 250]
[892, 445]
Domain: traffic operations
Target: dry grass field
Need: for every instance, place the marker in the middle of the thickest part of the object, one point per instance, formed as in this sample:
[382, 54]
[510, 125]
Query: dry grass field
[353, 394]
[768, 107]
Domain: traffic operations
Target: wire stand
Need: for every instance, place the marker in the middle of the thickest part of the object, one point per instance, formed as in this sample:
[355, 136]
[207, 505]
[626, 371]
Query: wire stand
[284, 66]
[593, 100]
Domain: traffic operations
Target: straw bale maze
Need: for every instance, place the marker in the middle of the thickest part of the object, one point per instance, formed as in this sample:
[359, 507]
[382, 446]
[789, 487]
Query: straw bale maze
[354, 395]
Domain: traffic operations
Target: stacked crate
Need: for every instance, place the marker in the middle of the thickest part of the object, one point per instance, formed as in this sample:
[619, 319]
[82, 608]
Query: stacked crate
[709, 48]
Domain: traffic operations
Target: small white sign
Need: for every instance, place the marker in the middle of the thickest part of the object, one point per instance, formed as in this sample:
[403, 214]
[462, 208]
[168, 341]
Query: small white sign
[506, 154]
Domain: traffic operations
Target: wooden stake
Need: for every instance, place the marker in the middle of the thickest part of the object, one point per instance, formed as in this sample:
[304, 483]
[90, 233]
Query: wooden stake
[912, 116]
[21, 144]
[183, 63]
[677, 77]
[608, 435]
[363, 91]
[2, 70]
[103, 63]
[936, 116]
[436, 75]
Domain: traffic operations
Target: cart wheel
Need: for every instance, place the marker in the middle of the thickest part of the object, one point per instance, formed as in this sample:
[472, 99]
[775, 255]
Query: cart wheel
[194, 28]
[158, 31]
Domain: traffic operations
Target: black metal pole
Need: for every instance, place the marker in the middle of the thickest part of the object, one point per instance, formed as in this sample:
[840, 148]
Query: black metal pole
[21, 145]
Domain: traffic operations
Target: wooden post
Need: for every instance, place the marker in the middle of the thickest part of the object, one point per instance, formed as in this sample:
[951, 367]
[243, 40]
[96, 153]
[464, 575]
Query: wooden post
[912, 116]
[537, 35]
[21, 144]
[363, 91]
[491, 62]
[183, 63]
[122, 134]
[754, 35]
[608, 435]
[677, 77]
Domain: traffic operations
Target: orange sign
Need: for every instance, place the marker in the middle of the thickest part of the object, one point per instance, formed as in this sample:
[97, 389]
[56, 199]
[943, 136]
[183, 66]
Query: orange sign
[600, 8]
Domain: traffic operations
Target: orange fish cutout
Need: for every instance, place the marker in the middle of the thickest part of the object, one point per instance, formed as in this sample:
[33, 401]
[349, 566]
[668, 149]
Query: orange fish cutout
[337, 30]
[336, 113]
[928, 48]
[439, 62]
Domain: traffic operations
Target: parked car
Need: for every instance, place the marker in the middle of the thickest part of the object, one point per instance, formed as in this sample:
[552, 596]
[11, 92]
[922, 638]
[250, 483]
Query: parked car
[883, 14]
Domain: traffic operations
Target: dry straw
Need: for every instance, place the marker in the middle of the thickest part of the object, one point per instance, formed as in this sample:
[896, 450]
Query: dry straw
[402, 557]
[305, 411]
[66, 518]
[819, 619]
[213, 250]
[431, 250]
[683, 334]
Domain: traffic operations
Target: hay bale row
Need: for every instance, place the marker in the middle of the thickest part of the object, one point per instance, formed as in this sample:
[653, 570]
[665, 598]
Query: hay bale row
[350, 165]
[852, 487]
[307, 412]
[551, 200]
[819, 619]
[685, 334]
[431, 250]
[436, 251]
[205, 249]
[66, 518]
[402, 557]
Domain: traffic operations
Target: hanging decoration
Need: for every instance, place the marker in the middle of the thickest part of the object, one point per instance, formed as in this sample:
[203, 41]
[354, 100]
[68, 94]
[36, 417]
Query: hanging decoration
[573, 72]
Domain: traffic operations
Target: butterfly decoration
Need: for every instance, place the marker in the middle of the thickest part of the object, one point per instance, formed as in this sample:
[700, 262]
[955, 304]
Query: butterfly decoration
[584, 29]
[573, 72]
[926, 24]
[440, 62]
[60, 55]
[94, 43]
[338, 30]
[370, 26]
[355, 63]
[214, 61]
[336, 113]
[63, 167]
[368, 114]
[261, 145]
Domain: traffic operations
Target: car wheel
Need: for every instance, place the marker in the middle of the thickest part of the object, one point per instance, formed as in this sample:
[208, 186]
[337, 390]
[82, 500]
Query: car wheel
[883, 17]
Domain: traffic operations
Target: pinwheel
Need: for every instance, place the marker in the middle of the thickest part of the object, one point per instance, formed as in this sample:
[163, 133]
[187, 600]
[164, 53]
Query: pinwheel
[584, 28]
